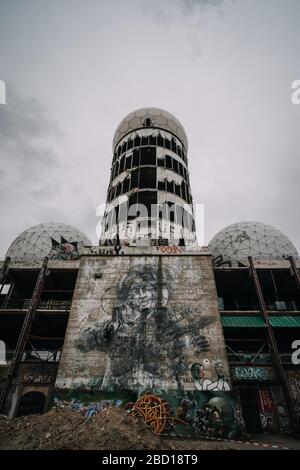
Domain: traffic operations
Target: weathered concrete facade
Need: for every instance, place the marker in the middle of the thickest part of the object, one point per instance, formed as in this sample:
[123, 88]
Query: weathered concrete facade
[147, 320]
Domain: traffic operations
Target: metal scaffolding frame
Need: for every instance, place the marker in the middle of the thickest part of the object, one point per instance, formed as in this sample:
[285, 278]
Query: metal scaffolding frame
[25, 331]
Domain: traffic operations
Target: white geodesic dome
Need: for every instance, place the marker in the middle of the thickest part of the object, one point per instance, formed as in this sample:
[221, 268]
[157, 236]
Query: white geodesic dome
[159, 118]
[37, 242]
[233, 244]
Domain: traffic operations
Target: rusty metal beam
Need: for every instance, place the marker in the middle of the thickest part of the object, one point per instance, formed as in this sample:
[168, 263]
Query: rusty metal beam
[286, 388]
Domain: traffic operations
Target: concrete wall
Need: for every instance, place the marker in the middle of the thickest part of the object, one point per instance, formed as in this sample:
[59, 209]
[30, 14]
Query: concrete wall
[143, 322]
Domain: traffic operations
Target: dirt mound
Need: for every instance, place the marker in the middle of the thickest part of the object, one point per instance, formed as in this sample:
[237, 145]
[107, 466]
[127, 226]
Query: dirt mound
[111, 429]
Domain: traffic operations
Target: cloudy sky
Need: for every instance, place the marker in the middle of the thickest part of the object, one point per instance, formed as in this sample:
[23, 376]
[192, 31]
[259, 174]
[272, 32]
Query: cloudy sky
[75, 68]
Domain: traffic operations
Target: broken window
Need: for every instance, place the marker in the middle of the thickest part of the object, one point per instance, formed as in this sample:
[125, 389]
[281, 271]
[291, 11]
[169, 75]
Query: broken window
[173, 145]
[160, 141]
[167, 144]
[168, 162]
[119, 187]
[137, 141]
[183, 190]
[149, 199]
[147, 177]
[152, 140]
[148, 156]
[128, 162]
[124, 146]
[145, 140]
[178, 190]
[170, 186]
[113, 193]
[161, 161]
[122, 162]
[126, 185]
[134, 178]
[129, 144]
[136, 157]
[131, 205]
[175, 165]
[161, 185]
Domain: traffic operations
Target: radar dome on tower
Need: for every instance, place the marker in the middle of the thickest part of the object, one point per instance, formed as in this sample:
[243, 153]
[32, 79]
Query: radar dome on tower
[56, 240]
[233, 244]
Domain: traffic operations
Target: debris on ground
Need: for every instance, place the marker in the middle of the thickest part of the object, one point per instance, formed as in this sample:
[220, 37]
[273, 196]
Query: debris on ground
[113, 429]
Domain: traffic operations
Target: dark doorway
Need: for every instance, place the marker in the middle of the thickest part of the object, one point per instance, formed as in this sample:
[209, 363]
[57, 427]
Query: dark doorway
[250, 410]
[31, 403]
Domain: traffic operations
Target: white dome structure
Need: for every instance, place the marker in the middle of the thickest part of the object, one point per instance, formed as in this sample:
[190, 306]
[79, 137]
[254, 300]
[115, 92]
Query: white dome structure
[233, 244]
[56, 240]
[150, 117]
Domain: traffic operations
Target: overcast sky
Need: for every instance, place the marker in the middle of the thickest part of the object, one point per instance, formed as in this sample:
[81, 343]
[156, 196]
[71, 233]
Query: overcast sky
[75, 68]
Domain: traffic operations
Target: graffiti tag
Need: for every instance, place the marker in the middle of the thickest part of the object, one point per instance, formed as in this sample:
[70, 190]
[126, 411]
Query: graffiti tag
[37, 379]
[250, 373]
[172, 249]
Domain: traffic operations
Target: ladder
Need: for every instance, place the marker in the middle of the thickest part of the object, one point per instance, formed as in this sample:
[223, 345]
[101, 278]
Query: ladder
[25, 331]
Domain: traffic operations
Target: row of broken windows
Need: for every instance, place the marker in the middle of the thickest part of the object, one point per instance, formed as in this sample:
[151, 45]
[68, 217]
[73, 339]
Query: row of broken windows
[147, 156]
[156, 140]
[144, 204]
[146, 178]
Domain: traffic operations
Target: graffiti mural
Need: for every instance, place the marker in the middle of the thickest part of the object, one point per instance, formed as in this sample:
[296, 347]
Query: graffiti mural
[202, 383]
[148, 343]
[211, 414]
[88, 403]
[86, 409]
[64, 250]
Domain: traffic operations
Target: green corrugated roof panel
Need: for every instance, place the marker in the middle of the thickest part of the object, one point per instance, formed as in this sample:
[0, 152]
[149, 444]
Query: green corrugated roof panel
[285, 321]
[255, 321]
[252, 321]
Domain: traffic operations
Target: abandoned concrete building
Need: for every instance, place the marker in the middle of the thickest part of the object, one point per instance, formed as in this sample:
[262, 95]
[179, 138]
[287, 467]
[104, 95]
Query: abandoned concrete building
[210, 330]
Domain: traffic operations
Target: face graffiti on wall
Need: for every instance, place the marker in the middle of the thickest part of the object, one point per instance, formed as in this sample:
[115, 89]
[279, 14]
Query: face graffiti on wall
[145, 339]
[202, 383]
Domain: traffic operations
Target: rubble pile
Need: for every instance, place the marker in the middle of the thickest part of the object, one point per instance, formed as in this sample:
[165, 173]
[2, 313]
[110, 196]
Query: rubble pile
[113, 429]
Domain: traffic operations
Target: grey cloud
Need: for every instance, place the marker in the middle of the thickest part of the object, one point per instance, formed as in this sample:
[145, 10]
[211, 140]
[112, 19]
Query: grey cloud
[26, 132]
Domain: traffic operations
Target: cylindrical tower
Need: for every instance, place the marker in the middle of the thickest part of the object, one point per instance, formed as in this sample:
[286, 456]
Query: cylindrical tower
[149, 199]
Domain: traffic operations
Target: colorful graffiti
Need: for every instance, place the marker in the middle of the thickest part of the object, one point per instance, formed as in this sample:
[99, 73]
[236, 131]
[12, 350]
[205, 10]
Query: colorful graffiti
[202, 383]
[266, 409]
[143, 334]
[171, 249]
[250, 373]
[155, 411]
[86, 409]
[64, 250]
[89, 402]
[211, 414]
